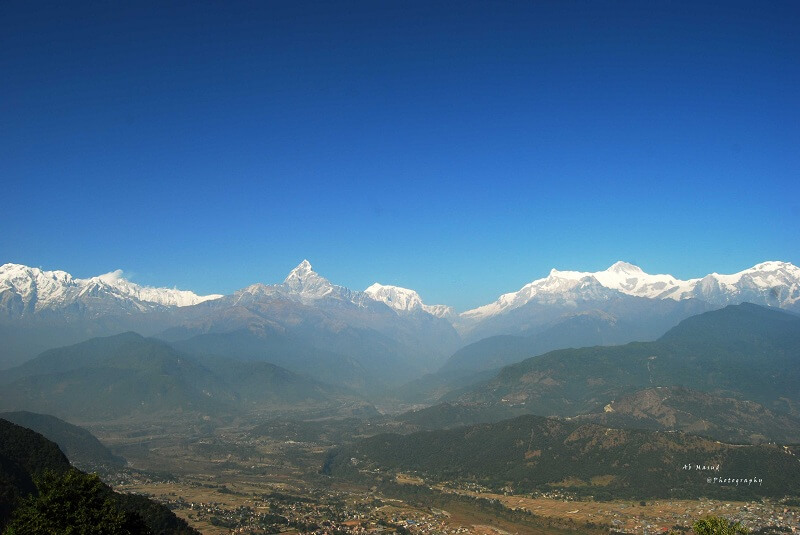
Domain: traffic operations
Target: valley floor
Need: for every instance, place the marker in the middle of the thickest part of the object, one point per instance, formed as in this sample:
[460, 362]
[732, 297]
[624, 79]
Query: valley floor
[655, 516]
[231, 481]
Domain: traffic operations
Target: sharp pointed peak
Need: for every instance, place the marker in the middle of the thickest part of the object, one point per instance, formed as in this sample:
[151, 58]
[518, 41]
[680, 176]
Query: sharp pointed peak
[305, 281]
[305, 265]
[302, 269]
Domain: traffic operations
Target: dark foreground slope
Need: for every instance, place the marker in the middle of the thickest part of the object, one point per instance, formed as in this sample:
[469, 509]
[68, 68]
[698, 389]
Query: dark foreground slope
[80, 446]
[744, 352]
[29, 462]
[532, 453]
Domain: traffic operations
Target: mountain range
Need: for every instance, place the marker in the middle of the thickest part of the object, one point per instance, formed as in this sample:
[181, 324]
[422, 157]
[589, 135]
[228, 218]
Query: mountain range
[377, 338]
[730, 374]
[28, 290]
[745, 352]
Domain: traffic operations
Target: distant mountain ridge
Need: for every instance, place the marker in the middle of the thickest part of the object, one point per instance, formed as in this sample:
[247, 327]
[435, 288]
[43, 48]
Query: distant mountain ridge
[383, 333]
[306, 308]
[772, 283]
[128, 375]
[406, 300]
[747, 352]
[27, 290]
[768, 283]
[325, 317]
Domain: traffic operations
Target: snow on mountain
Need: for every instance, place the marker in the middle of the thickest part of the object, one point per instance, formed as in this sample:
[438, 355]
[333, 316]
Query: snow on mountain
[405, 300]
[769, 283]
[161, 296]
[27, 290]
[557, 287]
[305, 282]
[306, 286]
[303, 285]
[32, 290]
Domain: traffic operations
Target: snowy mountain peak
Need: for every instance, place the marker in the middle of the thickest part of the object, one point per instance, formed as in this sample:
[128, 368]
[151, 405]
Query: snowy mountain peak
[625, 267]
[769, 283]
[303, 268]
[405, 300]
[31, 290]
[307, 283]
[774, 265]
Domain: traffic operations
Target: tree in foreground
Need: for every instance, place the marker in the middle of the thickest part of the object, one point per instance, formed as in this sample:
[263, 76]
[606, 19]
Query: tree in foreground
[72, 503]
[715, 525]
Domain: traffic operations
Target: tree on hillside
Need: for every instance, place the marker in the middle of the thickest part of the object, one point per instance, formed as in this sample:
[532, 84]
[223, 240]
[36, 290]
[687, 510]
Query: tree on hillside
[72, 502]
[715, 525]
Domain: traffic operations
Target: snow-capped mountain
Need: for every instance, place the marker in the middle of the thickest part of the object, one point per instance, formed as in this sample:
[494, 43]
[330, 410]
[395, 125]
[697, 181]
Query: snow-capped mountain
[405, 300]
[307, 284]
[308, 310]
[26, 291]
[770, 283]
[303, 285]
[553, 289]
[384, 331]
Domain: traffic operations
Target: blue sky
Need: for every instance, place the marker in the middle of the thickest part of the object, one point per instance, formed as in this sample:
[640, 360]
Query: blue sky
[458, 148]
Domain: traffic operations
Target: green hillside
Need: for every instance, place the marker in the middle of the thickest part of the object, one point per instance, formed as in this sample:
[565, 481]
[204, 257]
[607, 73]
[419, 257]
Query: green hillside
[532, 453]
[720, 418]
[744, 352]
[588, 328]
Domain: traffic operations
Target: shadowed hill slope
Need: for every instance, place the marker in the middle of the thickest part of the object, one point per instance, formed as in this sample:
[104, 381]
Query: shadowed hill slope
[744, 352]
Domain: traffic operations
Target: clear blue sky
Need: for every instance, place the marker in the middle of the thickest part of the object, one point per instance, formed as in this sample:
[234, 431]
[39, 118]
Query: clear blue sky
[458, 148]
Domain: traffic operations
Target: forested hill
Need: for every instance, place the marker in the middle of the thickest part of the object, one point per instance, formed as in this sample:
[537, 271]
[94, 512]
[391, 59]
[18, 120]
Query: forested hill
[79, 445]
[533, 453]
[742, 351]
[40, 489]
